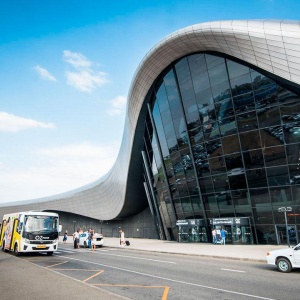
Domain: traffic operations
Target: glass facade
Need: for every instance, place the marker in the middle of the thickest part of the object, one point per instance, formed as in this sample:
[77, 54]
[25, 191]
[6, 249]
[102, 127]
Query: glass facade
[222, 141]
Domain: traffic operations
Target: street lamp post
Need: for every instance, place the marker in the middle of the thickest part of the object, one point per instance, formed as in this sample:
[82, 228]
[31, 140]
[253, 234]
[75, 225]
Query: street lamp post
[284, 210]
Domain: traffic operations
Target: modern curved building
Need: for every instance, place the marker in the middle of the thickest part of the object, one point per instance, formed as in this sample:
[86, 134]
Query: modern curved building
[211, 140]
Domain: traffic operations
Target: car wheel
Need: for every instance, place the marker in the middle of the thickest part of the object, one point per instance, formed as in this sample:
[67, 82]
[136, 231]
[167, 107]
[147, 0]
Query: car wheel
[284, 265]
[16, 251]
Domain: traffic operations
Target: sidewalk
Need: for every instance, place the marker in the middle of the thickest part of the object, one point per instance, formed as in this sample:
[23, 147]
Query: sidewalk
[238, 252]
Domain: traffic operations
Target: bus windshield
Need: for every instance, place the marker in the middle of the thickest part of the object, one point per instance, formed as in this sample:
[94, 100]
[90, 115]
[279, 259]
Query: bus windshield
[34, 223]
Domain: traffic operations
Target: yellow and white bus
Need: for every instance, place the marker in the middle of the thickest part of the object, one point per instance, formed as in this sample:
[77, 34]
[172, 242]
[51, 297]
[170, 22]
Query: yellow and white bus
[30, 231]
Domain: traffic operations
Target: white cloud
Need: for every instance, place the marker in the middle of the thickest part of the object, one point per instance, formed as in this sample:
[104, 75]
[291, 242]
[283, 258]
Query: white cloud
[57, 170]
[44, 73]
[77, 60]
[118, 105]
[12, 123]
[85, 81]
[82, 76]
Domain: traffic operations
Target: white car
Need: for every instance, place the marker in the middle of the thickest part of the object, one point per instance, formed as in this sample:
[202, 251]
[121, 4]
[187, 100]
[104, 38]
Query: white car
[83, 239]
[285, 259]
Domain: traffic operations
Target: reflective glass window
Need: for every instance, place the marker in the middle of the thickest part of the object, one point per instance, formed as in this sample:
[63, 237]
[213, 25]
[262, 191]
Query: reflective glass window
[211, 131]
[259, 80]
[296, 194]
[281, 195]
[241, 85]
[293, 153]
[201, 82]
[227, 126]
[221, 91]
[257, 178]
[196, 136]
[253, 159]
[294, 171]
[285, 96]
[224, 199]
[230, 144]
[202, 167]
[234, 164]
[213, 61]
[160, 131]
[217, 165]
[236, 69]
[214, 148]
[259, 196]
[197, 64]
[224, 109]
[180, 131]
[271, 136]
[186, 90]
[247, 121]
[277, 176]
[275, 156]
[161, 99]
[291, 135]
[268, 116]
[206, 185]
[196, 203]
[218, 74]
[250, 140]
[220, 183]
[266, 96]
[263, 215]
[210, 201]
[240, 198]
[237, 179]
[244, 103]
[186, 204]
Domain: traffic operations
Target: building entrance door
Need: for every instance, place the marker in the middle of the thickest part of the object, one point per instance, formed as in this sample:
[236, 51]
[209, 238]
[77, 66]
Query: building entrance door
[282, 237]
[241, 235]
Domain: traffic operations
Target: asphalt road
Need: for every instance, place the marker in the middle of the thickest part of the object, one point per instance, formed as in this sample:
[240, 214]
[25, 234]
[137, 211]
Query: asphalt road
[147, 275]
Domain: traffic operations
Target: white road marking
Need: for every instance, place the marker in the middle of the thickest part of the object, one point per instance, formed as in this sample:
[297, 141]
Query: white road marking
[233, 270]
[169, 279]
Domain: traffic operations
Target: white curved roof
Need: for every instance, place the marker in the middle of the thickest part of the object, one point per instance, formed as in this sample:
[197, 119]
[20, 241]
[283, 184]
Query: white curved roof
[273, 46]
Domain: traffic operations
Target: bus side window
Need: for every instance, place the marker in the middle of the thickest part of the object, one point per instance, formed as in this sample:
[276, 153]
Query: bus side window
[20, 227]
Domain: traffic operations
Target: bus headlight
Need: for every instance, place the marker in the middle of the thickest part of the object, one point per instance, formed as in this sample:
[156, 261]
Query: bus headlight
[54, 241]
[26, 241]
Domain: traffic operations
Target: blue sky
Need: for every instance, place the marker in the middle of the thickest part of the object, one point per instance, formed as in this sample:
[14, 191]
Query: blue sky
[65, 72]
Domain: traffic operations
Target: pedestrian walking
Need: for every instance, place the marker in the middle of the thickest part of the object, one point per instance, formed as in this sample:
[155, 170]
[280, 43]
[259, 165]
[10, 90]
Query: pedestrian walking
[214, 236]
[122, 238]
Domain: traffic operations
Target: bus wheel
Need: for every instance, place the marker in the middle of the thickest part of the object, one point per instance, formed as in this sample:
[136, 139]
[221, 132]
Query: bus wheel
[49, 253]
[16, 251]
[3, 247]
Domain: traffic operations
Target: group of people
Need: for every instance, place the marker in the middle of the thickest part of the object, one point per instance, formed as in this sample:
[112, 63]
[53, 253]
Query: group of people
[91, 241]
[219, 236]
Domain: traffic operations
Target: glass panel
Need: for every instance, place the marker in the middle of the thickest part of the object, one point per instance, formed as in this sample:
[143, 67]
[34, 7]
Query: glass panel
[278, 176]
[228, 126]
[243, 103]
[234, 162]
[253, 159]
[217, 165]
[213, 60]
[221, 91]
[237, 179]
[266, 234]
[220, 183]
[224, 199]
[294, 171]
[293, 153]
[268, 116]
[161, 98]
[257, 178]
[241, 85]
[241, 198]
[230, 144]
[196, 203]
[265, 96]
[247, 121]
[250, 140]
[206, 185]
[197, 64]
[210, 201]
[224, 109]
[235, 69]
[296, 195]
[201, 82]
[292, 135]
[218, 74]
[259, 196]
[214, 148]
[263, 215]
[271, 136]
[275, 156]
[281, 195]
